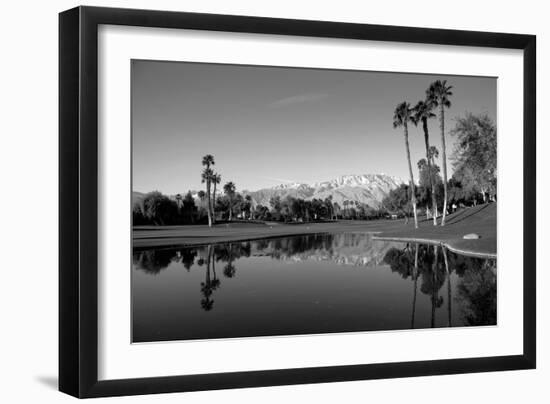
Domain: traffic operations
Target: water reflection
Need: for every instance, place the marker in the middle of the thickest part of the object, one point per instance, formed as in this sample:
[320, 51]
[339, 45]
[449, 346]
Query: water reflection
[447, 289]
[476, 290]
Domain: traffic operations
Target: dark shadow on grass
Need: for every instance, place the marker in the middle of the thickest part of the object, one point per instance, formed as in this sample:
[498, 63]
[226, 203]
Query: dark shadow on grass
[458, 216]
[464, 217]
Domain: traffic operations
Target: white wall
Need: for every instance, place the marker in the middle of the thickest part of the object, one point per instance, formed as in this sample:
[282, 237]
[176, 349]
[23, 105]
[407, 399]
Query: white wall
[28, 173]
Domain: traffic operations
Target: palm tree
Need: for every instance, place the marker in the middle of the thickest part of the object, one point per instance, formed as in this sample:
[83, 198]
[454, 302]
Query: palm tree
[208, 160]
[401, 117]
[201, 194]
[434, 154]
[438, 93]
[207, 178]
[337, 210]
[248, 200]
[178, 201]
[207, 173]
[229, 189]
[328, 201]
[423, 112]
[216, 179]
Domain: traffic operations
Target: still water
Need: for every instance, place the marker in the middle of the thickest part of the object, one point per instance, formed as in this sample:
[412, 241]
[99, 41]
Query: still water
[308, 284]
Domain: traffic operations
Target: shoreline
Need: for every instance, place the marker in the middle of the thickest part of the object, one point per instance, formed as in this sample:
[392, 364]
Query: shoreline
[480, 220]
[139, 245]
[202, 235]
[236, 239]
[447, 245]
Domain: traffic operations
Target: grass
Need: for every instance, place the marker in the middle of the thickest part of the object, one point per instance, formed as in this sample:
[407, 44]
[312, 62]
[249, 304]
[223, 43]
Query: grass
[156, 236]
[480, 220]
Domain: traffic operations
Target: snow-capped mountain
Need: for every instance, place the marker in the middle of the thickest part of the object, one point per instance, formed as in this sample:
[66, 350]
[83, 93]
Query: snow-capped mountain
[369, 189]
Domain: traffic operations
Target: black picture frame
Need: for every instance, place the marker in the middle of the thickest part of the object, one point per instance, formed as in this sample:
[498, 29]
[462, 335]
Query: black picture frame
[78, 206]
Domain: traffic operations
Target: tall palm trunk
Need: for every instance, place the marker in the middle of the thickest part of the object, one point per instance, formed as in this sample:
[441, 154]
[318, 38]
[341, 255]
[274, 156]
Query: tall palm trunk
[230, 208]
[428, 158]
[214, 204]
[209, 207]
[413, 196]
[443, 160]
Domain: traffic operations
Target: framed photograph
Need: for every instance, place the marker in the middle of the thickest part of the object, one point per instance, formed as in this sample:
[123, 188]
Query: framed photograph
[250, 201]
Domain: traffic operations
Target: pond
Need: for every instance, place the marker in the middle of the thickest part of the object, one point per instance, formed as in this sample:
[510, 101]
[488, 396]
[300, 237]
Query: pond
[309, 284]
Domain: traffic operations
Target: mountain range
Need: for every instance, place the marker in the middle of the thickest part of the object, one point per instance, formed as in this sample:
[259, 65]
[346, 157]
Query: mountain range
[368, 189]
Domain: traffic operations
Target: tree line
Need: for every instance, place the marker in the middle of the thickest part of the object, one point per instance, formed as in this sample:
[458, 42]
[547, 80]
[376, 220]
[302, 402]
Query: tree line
[158, 209]
[291, 209]
[474, 158]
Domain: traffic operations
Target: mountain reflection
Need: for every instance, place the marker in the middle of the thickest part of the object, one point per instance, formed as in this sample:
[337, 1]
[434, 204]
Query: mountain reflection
[445, 278]
[356, 249]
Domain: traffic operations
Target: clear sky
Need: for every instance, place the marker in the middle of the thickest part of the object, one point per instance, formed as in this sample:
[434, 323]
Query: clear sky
[271, 125]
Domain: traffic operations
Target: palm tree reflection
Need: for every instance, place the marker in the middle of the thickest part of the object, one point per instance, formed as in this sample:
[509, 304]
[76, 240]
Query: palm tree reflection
[229, 270]
[449, 289]
[473, 297]
[228, 253]
[210, 284]
[415, 283]
[475, 293]
[435, 298]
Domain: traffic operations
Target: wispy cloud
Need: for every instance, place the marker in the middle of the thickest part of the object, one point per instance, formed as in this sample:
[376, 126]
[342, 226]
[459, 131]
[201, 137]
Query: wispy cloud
[275, 179]
[297, 99]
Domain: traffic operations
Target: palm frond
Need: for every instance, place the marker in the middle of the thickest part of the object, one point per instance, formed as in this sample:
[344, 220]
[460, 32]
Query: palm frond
[208, 160]
[402, 114]
[206, 174]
